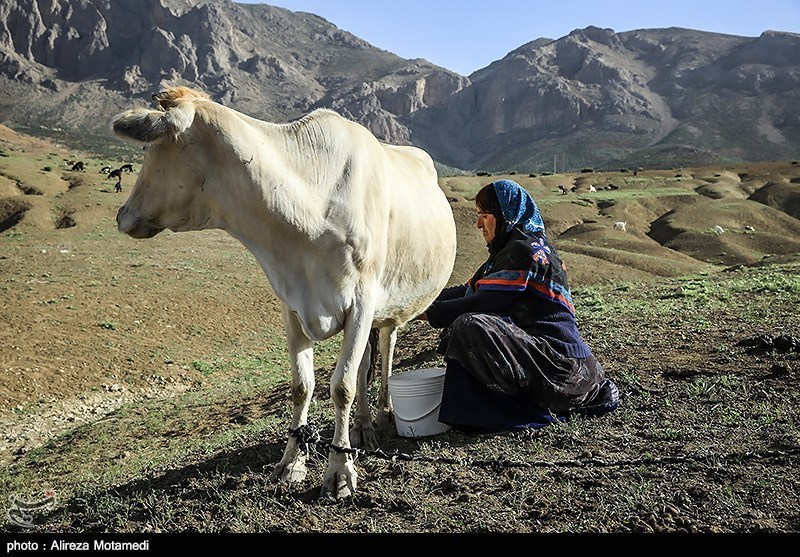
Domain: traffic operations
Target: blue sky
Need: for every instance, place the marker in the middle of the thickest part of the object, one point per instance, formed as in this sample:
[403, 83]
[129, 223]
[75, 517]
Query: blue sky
[466, 35]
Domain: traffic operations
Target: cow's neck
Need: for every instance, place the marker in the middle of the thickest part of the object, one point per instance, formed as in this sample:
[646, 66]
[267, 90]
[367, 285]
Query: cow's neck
[275, 191]
[276, 174]
[277, 200]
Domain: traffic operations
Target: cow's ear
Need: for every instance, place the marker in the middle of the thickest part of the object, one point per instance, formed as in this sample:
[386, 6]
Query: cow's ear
[151, 126]
[171, 97]
[180, 117]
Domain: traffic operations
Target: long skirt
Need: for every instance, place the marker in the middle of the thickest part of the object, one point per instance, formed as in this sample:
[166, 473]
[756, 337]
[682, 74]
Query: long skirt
[499, 378]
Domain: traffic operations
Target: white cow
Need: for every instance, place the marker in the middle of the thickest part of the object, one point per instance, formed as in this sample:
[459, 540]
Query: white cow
[352, 234]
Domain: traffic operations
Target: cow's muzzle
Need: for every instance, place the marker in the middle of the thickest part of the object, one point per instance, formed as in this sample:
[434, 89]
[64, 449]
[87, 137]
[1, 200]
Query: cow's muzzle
[133, 225]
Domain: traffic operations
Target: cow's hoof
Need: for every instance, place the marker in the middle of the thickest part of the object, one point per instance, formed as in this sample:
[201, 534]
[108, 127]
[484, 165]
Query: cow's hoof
[385, 420]
[293, 472]
[363, 436]
[339, 484]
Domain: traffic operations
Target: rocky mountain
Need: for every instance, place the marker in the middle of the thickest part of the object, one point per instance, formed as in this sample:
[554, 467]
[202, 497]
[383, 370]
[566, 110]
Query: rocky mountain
[646, 97]
[594, 98]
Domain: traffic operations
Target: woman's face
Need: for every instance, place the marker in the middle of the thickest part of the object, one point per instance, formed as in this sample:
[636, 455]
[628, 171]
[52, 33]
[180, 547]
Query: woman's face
[487, 223]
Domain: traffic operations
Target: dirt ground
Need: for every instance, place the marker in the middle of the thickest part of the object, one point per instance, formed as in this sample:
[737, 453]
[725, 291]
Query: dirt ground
[92, 321]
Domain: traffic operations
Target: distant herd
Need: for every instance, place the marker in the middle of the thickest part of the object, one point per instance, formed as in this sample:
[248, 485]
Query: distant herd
[118, 172]
[79, 166]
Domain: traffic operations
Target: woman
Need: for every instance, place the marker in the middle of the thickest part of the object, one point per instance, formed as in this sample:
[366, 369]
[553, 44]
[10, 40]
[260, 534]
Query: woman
[515, 358]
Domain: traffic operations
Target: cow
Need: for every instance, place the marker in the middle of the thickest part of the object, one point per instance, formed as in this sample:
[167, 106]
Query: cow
[105, 170]
[78, 167]
[115, 174]
[126, 168]
[351, 233]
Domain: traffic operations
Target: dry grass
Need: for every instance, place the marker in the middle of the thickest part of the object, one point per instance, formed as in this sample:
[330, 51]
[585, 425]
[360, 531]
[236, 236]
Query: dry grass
[147, 383]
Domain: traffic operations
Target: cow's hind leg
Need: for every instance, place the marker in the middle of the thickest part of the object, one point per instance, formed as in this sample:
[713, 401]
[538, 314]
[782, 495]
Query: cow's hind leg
[292, 467]
[362, 434]
[388, 339]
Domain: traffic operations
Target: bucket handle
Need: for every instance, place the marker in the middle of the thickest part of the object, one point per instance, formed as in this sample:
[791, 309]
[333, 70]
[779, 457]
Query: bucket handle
[424, 413]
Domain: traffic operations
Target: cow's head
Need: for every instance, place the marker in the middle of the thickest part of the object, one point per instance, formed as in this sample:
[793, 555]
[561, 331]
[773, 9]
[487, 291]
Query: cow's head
[166, 193]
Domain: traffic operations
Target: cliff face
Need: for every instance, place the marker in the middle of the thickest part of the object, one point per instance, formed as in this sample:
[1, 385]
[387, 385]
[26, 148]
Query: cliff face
[660, 96]
[69, 55]
[597, 96]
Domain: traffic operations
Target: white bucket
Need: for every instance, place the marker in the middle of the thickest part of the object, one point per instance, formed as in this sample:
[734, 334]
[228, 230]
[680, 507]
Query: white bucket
[416, 398]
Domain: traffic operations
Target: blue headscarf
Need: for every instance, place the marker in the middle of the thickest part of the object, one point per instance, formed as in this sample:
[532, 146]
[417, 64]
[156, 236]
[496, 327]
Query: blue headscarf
[518, 207]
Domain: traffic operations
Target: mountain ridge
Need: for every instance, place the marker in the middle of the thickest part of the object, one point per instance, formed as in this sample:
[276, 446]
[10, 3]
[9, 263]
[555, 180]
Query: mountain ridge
[594, 98]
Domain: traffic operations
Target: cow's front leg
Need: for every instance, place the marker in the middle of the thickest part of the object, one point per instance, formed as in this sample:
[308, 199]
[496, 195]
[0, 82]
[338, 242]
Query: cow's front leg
[292, 467]
[341, 477]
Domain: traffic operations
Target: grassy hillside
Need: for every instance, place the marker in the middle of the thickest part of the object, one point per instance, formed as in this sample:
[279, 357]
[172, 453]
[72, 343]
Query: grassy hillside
[146, 382]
